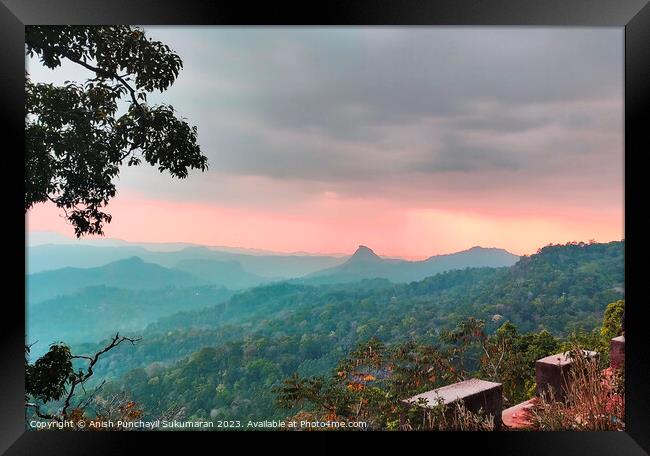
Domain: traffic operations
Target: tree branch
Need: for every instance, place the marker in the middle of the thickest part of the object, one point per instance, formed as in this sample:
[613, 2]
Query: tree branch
[99, 71]
[40, 414]
[85, 403]
[77, 380]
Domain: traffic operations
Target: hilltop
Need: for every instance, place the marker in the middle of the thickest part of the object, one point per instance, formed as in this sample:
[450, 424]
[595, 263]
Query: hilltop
[366, 264]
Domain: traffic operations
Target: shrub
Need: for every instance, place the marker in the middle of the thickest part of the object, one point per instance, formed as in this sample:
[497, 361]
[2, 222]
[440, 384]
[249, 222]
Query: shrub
[594, 400]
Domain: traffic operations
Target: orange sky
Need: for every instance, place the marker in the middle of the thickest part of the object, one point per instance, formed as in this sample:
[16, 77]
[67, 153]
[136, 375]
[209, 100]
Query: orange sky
[340, 226]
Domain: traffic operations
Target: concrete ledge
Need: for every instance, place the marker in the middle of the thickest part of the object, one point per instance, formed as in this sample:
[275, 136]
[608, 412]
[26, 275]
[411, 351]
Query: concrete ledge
[617, 352]
[552, 371]
[474, 393]
[515, 416]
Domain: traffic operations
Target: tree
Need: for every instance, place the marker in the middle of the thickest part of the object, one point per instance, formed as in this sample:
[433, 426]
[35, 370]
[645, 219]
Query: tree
[371, 382]
[77, 136]
[368, 384]
[612, 321]
[509, 358]
[53, 378]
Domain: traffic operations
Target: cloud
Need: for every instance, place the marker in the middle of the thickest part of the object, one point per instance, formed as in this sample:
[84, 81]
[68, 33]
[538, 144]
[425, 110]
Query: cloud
[335, 104]
[338, 81]
[476, 119]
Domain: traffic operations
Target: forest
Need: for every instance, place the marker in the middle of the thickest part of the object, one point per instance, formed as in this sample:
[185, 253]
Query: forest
[147, 331]
[231, 360]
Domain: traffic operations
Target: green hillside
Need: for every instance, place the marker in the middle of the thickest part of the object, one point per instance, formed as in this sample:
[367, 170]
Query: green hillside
[131, 273]
[223, 361]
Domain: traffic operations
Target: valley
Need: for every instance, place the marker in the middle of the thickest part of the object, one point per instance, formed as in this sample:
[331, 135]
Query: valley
[221, 352]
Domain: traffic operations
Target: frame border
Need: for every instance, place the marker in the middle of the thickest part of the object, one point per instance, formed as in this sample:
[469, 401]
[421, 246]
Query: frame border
[632, 15]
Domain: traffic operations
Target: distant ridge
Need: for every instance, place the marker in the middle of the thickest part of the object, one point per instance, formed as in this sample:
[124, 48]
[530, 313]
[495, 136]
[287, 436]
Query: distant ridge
[129, 273]
[241, 270]
[366, 264]
[52, 238]
[48, 257]
[227, 273]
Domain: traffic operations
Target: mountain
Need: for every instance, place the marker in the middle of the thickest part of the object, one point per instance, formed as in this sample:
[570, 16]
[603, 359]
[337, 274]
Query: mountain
[235, 351]
[366, 264]
[97, 312]
[476, 257]
[36, 238]
[130, 273]
[363, 255]
[271, 266]
[49, 257]
[274, 267]
[229, 274]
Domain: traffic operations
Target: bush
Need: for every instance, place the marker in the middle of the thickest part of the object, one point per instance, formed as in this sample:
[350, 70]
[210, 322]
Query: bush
[594, 400]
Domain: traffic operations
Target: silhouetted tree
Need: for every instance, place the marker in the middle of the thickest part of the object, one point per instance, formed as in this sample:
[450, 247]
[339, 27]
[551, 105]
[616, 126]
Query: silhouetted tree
[79, 135]
[53, 377]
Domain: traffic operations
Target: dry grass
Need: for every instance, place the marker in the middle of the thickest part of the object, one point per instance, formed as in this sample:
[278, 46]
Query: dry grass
[594, 400]
[455, 417]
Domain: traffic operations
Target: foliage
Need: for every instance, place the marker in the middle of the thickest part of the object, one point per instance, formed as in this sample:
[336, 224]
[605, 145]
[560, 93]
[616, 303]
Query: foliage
[612, 320]
[225, 361]
[78, 135]
[545, 291]
[46, 379]
[54, 378]
[113, 412]
[262, 336]
[598, 339]
[100, 311]
[371, 383]
[509, 358]
[594, 400]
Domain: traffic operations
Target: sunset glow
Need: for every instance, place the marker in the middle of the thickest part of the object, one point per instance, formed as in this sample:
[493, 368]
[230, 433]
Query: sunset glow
[415, 142]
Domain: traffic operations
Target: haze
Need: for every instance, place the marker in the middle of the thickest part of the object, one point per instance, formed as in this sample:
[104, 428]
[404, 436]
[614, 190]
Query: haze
[414, 141]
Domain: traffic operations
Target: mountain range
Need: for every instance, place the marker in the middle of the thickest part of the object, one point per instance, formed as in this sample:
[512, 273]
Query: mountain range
[366, 264]
[222, 361]
[96, 312]
[196, 266]
[48, 257]
[131, 273]
[228, 273]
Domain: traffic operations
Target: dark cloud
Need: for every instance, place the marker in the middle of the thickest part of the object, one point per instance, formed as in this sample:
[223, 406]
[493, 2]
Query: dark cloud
[358, 106]
[457, 156]
[338, 82]
[501, 122]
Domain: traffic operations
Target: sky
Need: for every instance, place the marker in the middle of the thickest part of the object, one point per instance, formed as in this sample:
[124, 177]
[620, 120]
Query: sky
[414, 141]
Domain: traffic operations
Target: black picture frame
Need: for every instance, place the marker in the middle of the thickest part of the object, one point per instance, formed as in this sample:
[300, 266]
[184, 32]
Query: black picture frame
[632, 15]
